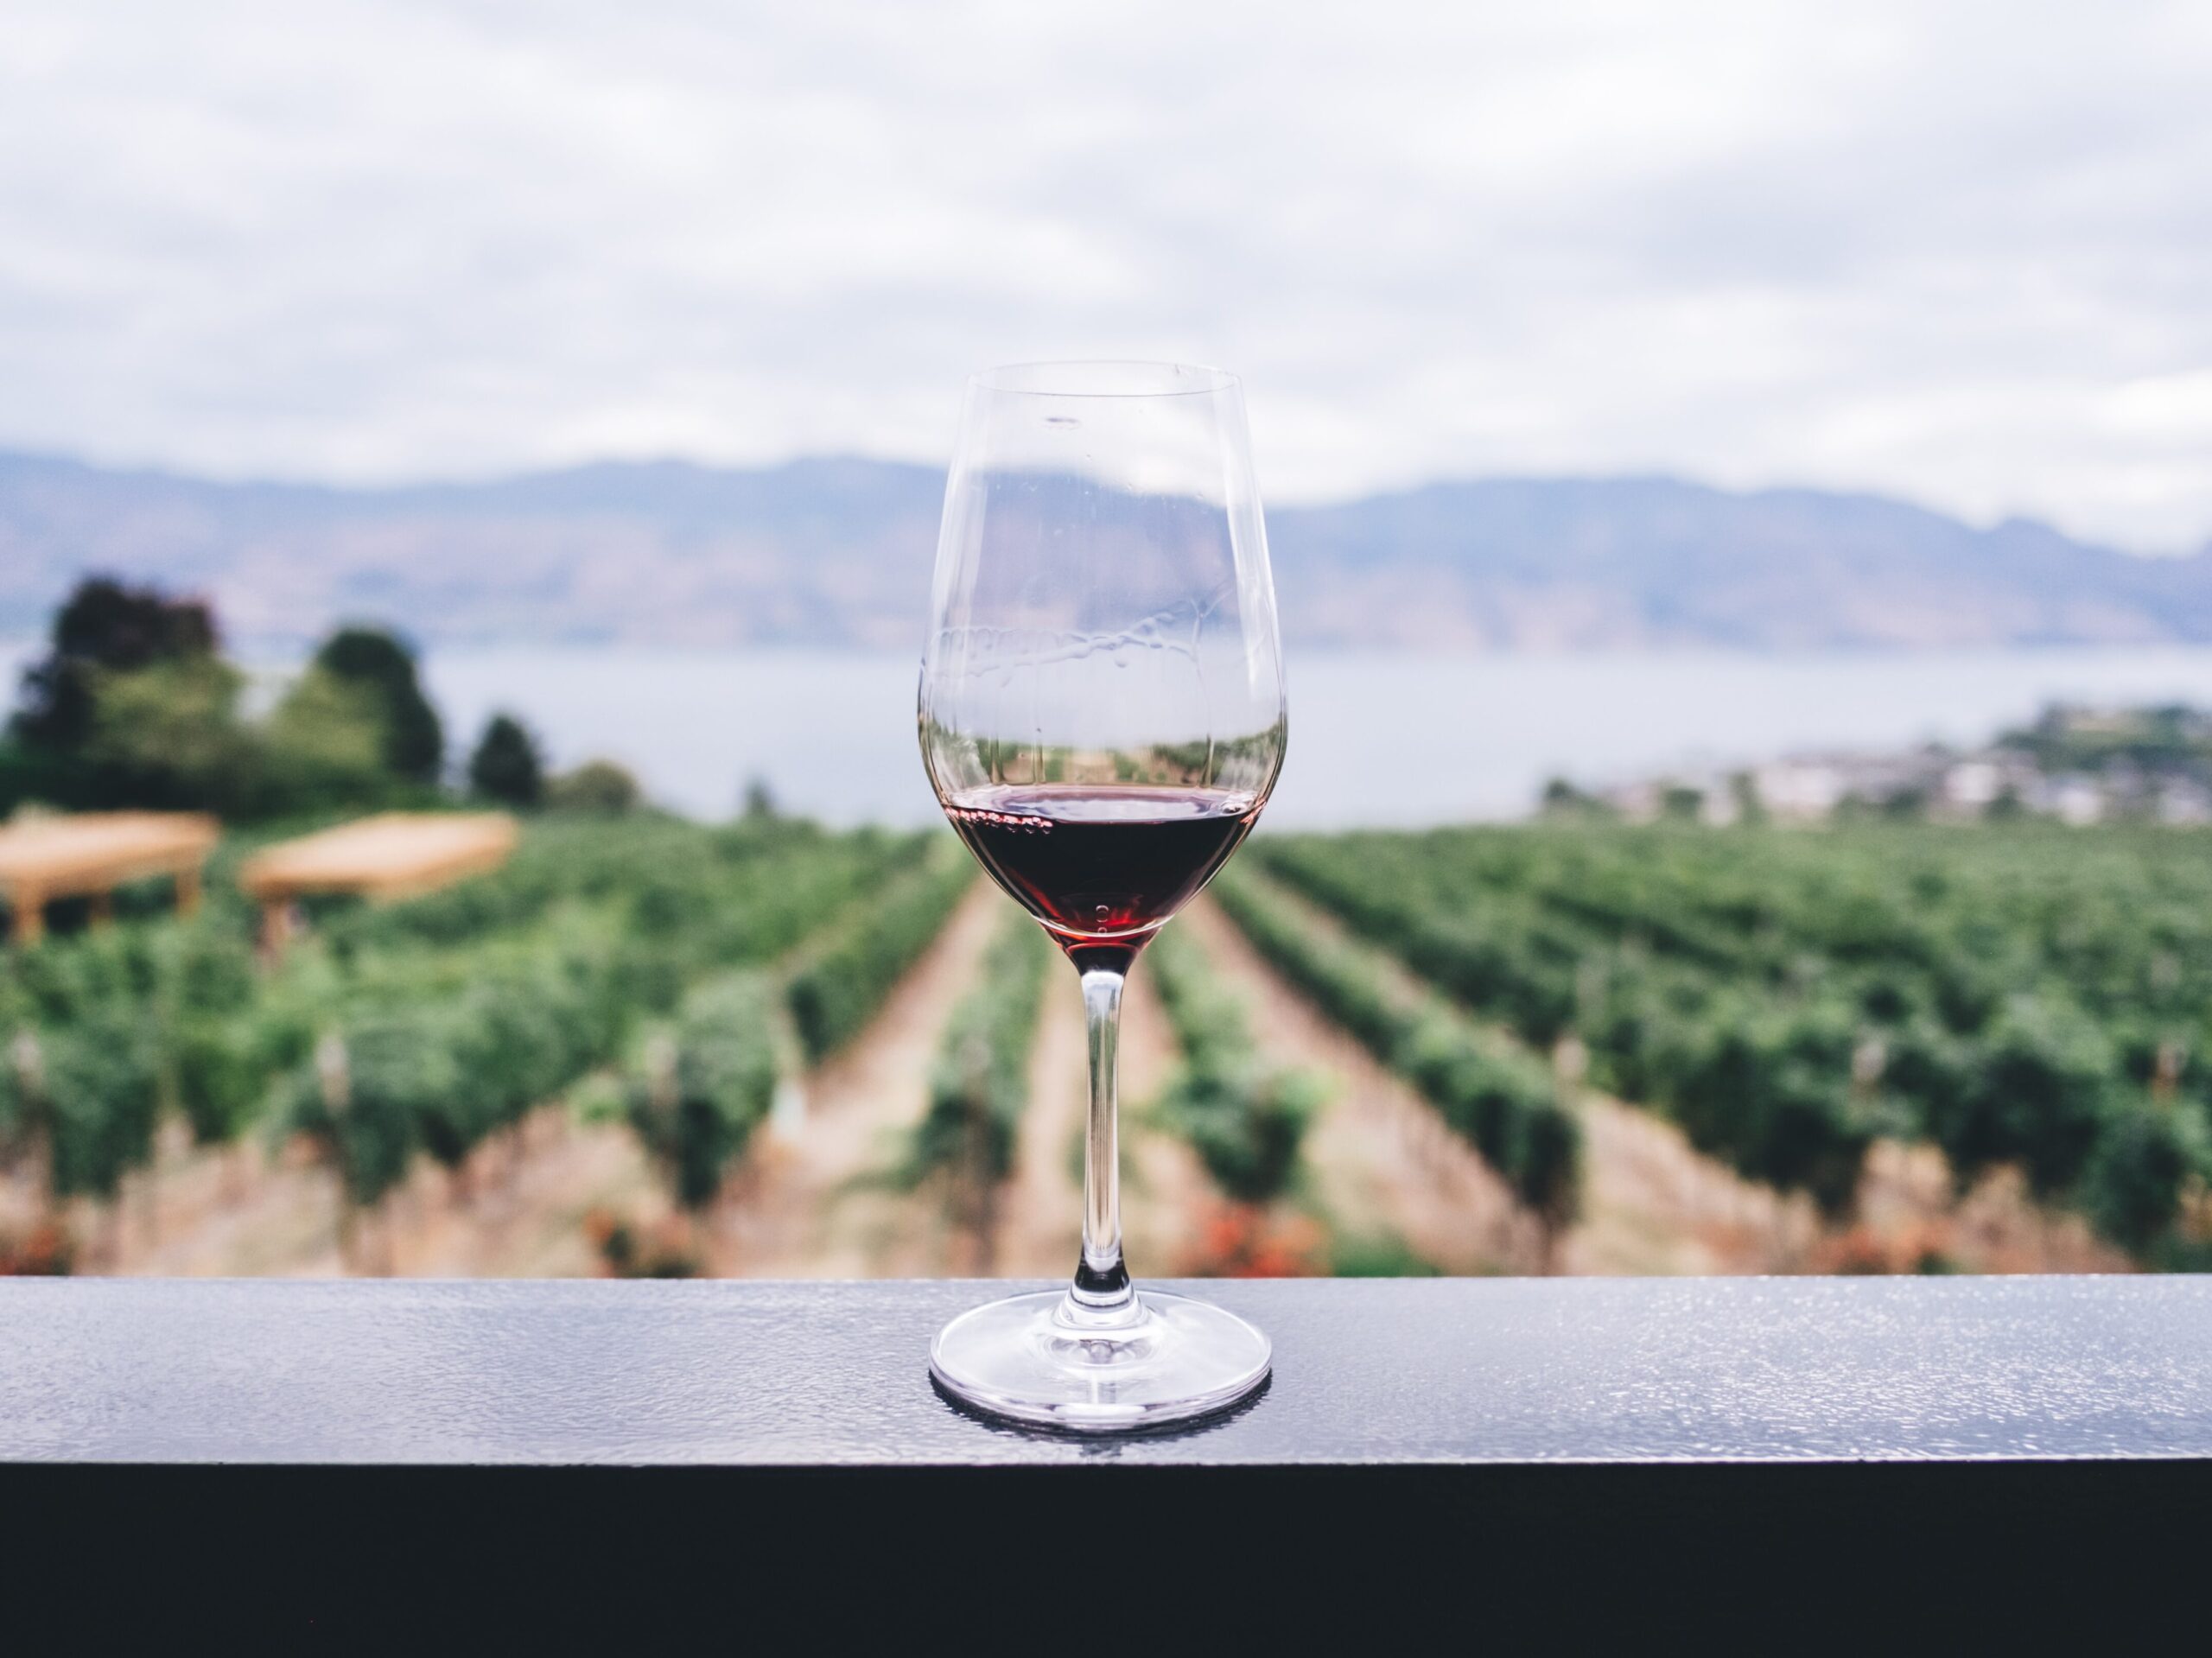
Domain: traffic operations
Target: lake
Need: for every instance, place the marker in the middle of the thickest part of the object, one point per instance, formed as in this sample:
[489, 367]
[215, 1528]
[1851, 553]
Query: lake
[1375, 738]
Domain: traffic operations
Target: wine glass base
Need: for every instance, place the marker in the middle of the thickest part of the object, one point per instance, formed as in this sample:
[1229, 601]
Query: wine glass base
[1025, 1358]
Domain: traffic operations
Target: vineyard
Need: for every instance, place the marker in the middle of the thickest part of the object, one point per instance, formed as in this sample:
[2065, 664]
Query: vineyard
[651, 1047]
[675, 966]
[2029, 999]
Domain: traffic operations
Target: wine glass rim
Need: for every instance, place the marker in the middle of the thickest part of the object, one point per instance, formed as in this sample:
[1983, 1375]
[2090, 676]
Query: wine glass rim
[1103, 376]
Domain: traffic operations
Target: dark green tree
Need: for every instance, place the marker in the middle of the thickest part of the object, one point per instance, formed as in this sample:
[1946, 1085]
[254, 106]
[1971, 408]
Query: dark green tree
[507, 766]
[414, 740]
[105, 625]
[106, 630]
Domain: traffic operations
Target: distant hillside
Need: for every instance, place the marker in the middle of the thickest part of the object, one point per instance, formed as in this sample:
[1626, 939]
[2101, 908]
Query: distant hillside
[1577, 563]
[838, 551]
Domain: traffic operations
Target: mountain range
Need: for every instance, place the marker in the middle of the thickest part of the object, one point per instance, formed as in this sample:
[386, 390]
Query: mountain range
[837, 552]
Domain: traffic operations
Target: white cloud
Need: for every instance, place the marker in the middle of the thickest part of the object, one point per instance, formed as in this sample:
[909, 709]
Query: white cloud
[1957, 252]
[2163, 407]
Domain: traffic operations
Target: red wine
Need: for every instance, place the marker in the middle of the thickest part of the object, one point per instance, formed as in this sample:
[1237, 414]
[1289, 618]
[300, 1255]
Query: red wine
[1102, 864]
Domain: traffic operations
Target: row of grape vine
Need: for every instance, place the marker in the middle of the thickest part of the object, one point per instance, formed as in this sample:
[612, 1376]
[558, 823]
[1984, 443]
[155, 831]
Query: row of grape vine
[1501, 1101]
[2012, 997]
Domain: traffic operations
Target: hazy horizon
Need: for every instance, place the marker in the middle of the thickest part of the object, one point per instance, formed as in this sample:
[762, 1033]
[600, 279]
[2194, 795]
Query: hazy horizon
[645, 463]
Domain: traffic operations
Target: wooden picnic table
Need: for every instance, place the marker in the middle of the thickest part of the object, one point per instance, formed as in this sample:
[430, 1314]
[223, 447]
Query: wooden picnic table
[390, 856]
[90, 853]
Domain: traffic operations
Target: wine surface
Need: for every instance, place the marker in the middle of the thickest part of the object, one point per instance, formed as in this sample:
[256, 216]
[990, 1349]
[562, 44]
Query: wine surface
[1101, 862]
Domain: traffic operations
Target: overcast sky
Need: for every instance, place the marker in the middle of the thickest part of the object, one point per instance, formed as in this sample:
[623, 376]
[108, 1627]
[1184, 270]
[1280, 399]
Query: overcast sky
[1959, 253]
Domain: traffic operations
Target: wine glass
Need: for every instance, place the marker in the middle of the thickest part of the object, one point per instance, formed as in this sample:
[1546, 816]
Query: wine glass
[1101, 715]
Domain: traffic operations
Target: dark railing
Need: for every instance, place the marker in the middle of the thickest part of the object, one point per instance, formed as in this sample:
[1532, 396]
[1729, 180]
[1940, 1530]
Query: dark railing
[1580, 1452]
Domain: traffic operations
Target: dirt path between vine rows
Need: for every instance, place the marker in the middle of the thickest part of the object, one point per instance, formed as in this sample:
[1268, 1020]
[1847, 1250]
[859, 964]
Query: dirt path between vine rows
[1041, 1213]
[1652, 1203]
[811, 1205]
[1383, 1167]
[518, 1210]
[1387, 1166]
[1165, 1194]
[799, 1208]
[808, 1204]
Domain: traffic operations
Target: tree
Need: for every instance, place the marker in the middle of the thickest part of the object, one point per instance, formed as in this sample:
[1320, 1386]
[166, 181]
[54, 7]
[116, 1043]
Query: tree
[166, 736]
[414, 740]
[1563, 799]
[507, 766]
[599, 786]
[105, 625]
[324, 747]
[110, 638]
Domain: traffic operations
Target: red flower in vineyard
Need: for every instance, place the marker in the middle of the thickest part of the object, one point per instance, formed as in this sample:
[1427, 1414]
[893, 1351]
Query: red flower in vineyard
[1243, 1241]
[1922, 1246]
[43, 1252]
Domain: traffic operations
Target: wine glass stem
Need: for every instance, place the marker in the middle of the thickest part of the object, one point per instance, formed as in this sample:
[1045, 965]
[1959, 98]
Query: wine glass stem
[1101, 1293]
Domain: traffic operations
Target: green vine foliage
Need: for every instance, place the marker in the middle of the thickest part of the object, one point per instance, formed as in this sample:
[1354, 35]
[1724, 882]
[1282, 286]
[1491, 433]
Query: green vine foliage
[105, 1029]
[835, 993]
[16, 1105]
[364, 1096]
[2010, 995]
[456, 1014]
[1245, 1119]
[699, 1091]
[206, 989]
[98, 1079]
[2142, 1157]
[219, 1086]
[1501, 1100]
[979, 1086]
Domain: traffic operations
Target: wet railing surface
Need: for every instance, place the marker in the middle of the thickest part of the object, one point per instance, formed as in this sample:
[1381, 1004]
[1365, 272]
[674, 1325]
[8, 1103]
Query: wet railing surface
[1367, 1372]
[1732, 1450]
